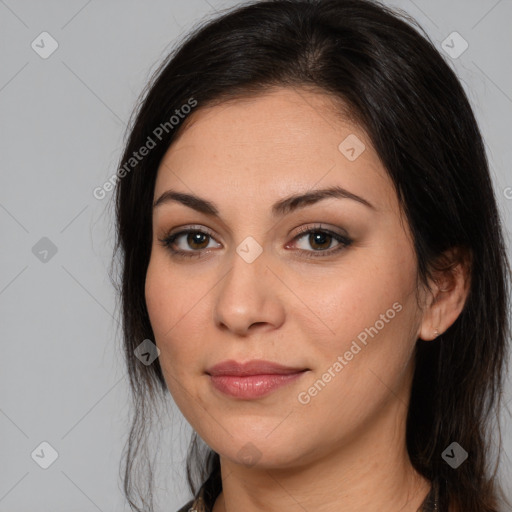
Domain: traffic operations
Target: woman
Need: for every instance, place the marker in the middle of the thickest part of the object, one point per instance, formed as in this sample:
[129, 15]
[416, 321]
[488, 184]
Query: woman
[310, 238]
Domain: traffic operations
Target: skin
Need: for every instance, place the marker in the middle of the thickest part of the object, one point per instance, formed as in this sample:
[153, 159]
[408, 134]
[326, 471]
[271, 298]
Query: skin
[345, 449]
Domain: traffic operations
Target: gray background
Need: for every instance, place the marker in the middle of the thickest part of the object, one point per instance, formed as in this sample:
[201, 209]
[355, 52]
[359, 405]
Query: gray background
[62, 378]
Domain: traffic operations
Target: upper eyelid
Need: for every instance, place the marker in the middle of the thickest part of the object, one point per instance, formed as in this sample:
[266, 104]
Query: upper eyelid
[343, 242]
[303, 231]
[198, 227]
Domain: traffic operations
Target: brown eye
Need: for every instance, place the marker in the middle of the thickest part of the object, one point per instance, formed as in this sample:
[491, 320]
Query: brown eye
[188, 242]
[193, 242]
[320, 241]
[197, 237]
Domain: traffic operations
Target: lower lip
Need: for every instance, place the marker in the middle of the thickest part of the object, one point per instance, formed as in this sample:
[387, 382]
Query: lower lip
[251, 386]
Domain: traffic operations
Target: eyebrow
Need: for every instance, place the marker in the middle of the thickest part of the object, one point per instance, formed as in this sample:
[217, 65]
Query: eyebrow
[280, 208]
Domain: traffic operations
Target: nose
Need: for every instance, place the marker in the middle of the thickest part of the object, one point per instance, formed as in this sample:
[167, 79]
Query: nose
[249, 297]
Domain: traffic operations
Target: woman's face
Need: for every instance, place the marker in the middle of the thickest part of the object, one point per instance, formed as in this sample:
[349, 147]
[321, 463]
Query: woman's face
[250, 285]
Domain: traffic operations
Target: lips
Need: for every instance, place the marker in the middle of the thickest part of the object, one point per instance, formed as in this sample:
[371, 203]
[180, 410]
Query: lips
[252, 380]
[254, 367]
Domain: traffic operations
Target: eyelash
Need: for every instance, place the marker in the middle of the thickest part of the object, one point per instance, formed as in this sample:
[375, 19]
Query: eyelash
[342, 240]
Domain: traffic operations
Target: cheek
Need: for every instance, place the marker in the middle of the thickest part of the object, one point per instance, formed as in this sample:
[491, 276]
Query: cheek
[371, 313]
[356, 295]
[178, 304]
[174, 334]
[167, 308]
[372, 316]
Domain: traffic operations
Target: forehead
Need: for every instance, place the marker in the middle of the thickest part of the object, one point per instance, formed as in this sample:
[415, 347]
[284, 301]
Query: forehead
[276, 143]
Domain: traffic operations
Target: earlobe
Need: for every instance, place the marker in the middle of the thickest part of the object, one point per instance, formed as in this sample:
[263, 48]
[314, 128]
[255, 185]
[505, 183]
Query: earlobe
[450, 289]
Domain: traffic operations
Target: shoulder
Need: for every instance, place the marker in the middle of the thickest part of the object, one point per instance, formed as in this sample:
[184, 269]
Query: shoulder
[186, 507]
[205, 497]
[195, 505]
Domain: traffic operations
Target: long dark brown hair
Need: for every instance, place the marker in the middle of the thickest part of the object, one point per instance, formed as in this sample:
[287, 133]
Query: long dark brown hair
[397, 86]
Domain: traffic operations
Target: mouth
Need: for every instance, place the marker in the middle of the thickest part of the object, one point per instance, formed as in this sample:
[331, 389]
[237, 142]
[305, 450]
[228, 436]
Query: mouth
[253, 367]
[252, 380]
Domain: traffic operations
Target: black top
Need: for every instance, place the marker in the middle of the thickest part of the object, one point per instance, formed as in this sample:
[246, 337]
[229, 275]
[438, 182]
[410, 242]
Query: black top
[206, 496]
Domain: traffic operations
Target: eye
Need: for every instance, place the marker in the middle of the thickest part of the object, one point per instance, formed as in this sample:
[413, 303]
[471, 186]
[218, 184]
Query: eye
[194, 242]
[320, 240]
[197, 239]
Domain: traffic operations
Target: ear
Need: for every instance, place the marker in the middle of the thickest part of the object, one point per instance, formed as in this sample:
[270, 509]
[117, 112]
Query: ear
[450, 286]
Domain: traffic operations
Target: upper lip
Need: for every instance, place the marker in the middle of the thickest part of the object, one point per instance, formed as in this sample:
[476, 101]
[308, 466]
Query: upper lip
[254, 367]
